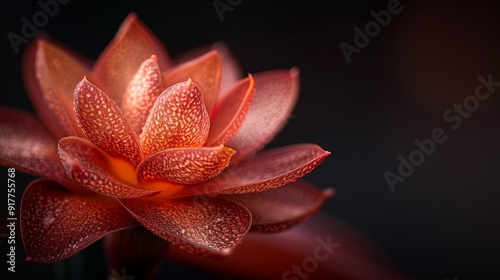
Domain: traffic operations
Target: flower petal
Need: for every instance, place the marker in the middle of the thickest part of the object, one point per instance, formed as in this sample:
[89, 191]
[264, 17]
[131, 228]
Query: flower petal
[88, 165]
[103, 123]
[231, 69]
[51, 83]
[132, 45]
[268, 170]
[178, 119]
[275, 96]
[231, 112]
[56, 224]
[145, 87]
[26, 145]
[185, 165]
[283, 207]
[210, 230]
[205, 71]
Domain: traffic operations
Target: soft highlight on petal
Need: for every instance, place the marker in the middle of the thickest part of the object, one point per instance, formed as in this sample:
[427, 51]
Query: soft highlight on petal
[103, 123]
[275, 96]
[279, 209]
[132, 45]
[178, 119]
[146, 85]
[231, 112]
[88, 165]
[211, 229]
[185, 165]
[56, 224]
[205, 71]
[268, 170]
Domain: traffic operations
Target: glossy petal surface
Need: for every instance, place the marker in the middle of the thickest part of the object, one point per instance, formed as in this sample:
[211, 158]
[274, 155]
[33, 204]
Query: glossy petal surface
[185, 165]
[268, 170]
[205, 71]
[146, 85]
[104, 124]
[283, 207]
[56, 224]
[211, 229]
[88, 165]
[132, 45]
[275, 96]
[178, 119]
[231, 112]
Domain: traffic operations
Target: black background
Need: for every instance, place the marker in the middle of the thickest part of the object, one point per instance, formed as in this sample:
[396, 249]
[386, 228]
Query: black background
[443, 221]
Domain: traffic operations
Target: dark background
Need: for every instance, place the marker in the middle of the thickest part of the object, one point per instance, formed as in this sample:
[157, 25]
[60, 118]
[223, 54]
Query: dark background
[443, 220]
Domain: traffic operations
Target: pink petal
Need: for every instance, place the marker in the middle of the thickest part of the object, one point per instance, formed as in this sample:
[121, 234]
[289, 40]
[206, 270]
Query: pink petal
[205, 71]
[27, 146]
[231, 69]
[56, 224]
[185, 165]
[104, 124]
[51, 74]
[178, 119]
[281, 208]
[132, 45]
[335, 249]
[145, 87]
[268, 170]
[231, 112]
[275, 96]
[210, 229]
[88, 165]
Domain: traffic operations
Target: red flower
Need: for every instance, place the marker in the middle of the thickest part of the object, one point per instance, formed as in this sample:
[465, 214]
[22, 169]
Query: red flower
[174, 151]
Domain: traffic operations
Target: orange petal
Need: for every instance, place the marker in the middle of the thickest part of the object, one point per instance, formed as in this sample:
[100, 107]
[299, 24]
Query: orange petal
[205, 71]
[185, 165]
[231, 69]
[104, 124]
[275, 96]
[231, 112]
[210, 229]
[178, 119]
[132, 45]
[27, 146]
[88, 165]
[142, 92]
[283, 207]
[56, 224]
[51, 74]
[268, 170]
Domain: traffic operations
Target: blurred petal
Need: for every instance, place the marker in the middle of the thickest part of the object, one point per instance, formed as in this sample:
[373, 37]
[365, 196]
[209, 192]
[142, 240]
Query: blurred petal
[145, 87]
[210, 230]
[339, 250]
[56, 224]
[185, 165]
[268, 170]
[231, 112]
[231, 69]
[88, 165]
[205, 71]
[104, 124]
[283, 207]
[26, 145]
[51, 78]
[132, 45]
[275, 96]
[178, 119]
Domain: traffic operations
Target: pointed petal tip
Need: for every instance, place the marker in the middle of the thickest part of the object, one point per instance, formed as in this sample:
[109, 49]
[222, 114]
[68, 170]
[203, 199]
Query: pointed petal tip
[329, 192]
[28, 259]
[294, 72]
